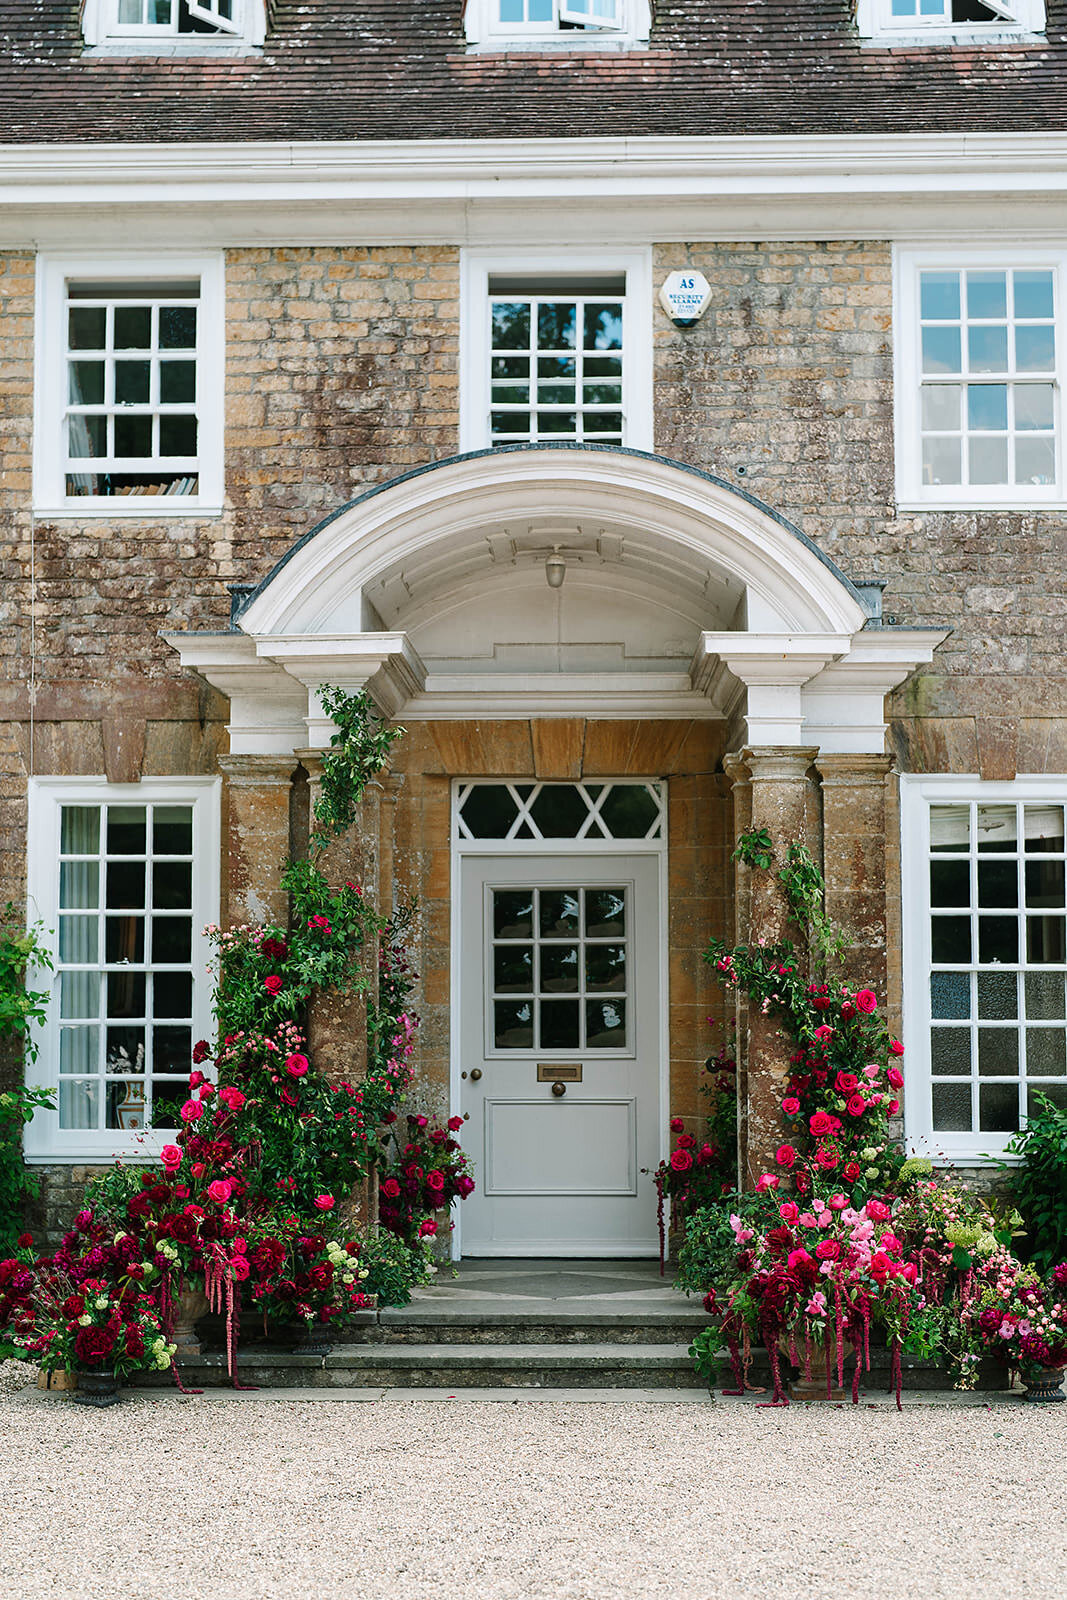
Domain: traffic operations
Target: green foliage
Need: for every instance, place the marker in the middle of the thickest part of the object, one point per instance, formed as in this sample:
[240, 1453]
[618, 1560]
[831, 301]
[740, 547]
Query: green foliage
[17, 1183]
[1039, 1182]
[393, 1268]
[359, 749]
[805, 890]
[709, 1250]
[708, 1357]
[19, 1006]
[755, 849]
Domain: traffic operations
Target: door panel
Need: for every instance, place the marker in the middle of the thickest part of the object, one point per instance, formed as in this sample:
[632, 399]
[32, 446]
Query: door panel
[560, 969]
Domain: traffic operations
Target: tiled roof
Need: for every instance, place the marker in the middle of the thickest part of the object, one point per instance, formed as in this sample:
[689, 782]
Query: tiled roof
[400, 69]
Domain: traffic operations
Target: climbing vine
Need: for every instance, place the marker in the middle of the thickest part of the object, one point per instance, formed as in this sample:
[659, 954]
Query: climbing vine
[358, 750]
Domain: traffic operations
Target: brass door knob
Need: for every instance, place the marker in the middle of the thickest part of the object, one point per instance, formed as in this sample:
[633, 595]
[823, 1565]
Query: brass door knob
[476, 1073]
[559, 1089]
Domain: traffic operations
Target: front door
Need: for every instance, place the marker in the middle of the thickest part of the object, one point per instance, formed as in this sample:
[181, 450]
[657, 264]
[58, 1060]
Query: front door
[559, 1037]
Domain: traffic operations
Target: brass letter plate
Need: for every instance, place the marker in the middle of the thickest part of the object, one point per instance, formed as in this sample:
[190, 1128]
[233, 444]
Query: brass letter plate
[559, 1072]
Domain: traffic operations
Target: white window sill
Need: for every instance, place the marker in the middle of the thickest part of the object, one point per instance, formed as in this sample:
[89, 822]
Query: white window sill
[201, 44]
[970, 37]
[550, 43]
[106, 1155]
[911, 506]
[154, 508]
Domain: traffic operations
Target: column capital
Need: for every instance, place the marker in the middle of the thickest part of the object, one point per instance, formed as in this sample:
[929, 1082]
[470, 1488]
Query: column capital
[778, 763]
[736, 768]
[261, 771]
[850, 770]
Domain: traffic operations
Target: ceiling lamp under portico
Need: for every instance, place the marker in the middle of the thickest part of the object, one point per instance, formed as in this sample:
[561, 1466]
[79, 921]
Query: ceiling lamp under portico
[682, 598]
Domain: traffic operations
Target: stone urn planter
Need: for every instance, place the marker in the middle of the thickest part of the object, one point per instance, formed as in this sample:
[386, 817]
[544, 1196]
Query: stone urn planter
[98, 1387]
[1044, 1385]
[312, 1339]
[192, 1304]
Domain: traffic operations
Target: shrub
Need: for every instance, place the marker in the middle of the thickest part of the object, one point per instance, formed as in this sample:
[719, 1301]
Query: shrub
[1039, 1183]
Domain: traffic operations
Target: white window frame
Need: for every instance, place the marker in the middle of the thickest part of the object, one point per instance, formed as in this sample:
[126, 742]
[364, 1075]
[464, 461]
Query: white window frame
[876, 23]
[476, 268]
[44, 1140]
[911, 493]
[484, 29]
[917, 794]
[101, 26]
[54, 272]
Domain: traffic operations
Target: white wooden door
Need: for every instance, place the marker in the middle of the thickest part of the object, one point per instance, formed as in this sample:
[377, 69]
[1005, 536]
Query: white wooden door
[559, 1036]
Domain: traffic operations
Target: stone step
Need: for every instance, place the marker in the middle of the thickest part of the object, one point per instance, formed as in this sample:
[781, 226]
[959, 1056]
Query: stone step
[431, 1325]
[453, 1365]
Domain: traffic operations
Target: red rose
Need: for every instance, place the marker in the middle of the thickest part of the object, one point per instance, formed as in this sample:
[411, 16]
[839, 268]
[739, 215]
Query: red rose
[828, 1250]
[435, 1180]
[391, 1188]
[296, 1066]
[826, 1158]
[681, 1160]
[790, 1106]
[272, 984]
[846, 1083]
[677, 1125]
[802, 1181]
[895, 1047]
[785, 1155]
[867, 1000]
[893, 1107]
[856, 1106]
[687, 1142]
[455, 1123]
[274, 949]
[821, 1124]
[895, 1078]
[850, 1171]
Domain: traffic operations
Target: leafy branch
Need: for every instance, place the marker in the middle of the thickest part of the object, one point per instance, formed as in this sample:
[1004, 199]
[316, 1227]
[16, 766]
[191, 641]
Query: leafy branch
[805, 889]
[755, 849]
[358, 751]
[19, 1006]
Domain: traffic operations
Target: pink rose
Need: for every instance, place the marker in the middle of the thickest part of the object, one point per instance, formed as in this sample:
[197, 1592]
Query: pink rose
[788, 1211]
[820, 1125]
[828, 1250]
[806, 1219]
[785, 1155]
[824, 1032]
[192, 1111]
[435, 1180]
[838, 1202]
[239, 1268]
[324, 1202]
[390, 1188]
[847, 1083]
[171, 1156]
[856, 1106]
[221, 1190]
[878, 1211]
[790, 1106]
[272, 984]
[895, 1078]
[893, 1107]
[296, 1066]
[427, 1229]
[867, 1000]
[232, 1098]
[767, 1180]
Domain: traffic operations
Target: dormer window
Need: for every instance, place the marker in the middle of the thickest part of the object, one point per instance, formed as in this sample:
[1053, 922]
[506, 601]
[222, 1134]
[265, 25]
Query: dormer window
[575, 24]
[173, 26]
[889, 22]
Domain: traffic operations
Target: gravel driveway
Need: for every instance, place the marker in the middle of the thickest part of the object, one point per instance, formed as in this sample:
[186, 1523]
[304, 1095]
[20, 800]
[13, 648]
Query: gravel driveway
[412, 1498]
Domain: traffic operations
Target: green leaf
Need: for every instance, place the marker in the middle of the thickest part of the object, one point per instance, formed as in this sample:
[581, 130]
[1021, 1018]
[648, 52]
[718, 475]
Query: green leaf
[962, 1259]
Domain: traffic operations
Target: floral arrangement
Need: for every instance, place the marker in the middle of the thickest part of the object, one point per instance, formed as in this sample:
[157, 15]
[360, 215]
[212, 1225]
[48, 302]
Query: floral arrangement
[699, 1171]
[307, 1277]
[845, 1236]
[90, 1305]
[426, 1174]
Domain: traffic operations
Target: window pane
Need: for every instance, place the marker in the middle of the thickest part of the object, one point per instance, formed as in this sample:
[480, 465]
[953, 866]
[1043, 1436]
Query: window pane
[87, 327]
[1044, 884]
[172, 1049]
[177, 436]
[941, 406]
[952, 1107]
[1035, 460]
[172, 885]
[559, 912]
[177, 381]
[998, 830]
[172, 830]
[172, 940]
[988, 460]
[1036, 1092]
[998, 999]
[86, 383]
[629, 811]
[513, 913]
[177, 328]
[998, 883]
[511, 326]
[132, 381]
[950, 995]
[133, 437]
[951, 940]
[559, 811]
[557, 325]
[488, 811]
[86, 436]
[124, 939]
[513, 1025]
[941, 350]
[1035, 349]
[79, 994]
[133, 327]
[1046, 1052]
[79, 1049]
[513, 969]
[998, 939]
[950, 1052]
[559, 1024]
[79, 885]
[125, 885]
[939, 291]
[172, 994]
[1045, 995]
[998, 1052]
[1033, 293]
[987, 405]
[79, 833]
[987, 294]
[126, 993]
[1034, 405]
[950, 828]
[79, 1104]
[125, 830]
[1044, 940]
[1044, 829]
[603, 327]
[559, 969]
[998, 1107]
[942, 461]
[987, 349]
[950, 883]
[605, 1022]
[78, 939]
[126, 1104]
[125, 1050]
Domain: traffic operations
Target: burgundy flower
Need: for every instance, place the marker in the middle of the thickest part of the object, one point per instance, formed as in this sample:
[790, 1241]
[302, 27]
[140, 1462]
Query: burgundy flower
[93, 1345]
[681, 1160]
[201, 1051]
[272, 984]
[274, 949]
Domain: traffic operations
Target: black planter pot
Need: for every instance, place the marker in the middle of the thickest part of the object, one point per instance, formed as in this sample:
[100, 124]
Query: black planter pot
[1044, 1385]
[313, 1341]
[97, 1386]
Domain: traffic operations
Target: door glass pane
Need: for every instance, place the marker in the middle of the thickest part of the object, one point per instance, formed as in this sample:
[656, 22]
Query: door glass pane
[488, 811]
[513, 913]
[605, 913]
[559, 1024]
[605, 967]
[559, 912]
[513, 1025]
[559, 969]
[606, 1024]
[513, 968]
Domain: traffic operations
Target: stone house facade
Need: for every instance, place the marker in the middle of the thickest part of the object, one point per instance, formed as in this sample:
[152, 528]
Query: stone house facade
[333, 351]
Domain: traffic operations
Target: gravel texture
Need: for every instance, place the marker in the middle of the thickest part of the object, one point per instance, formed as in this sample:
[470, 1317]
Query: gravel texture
[560, 1500]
